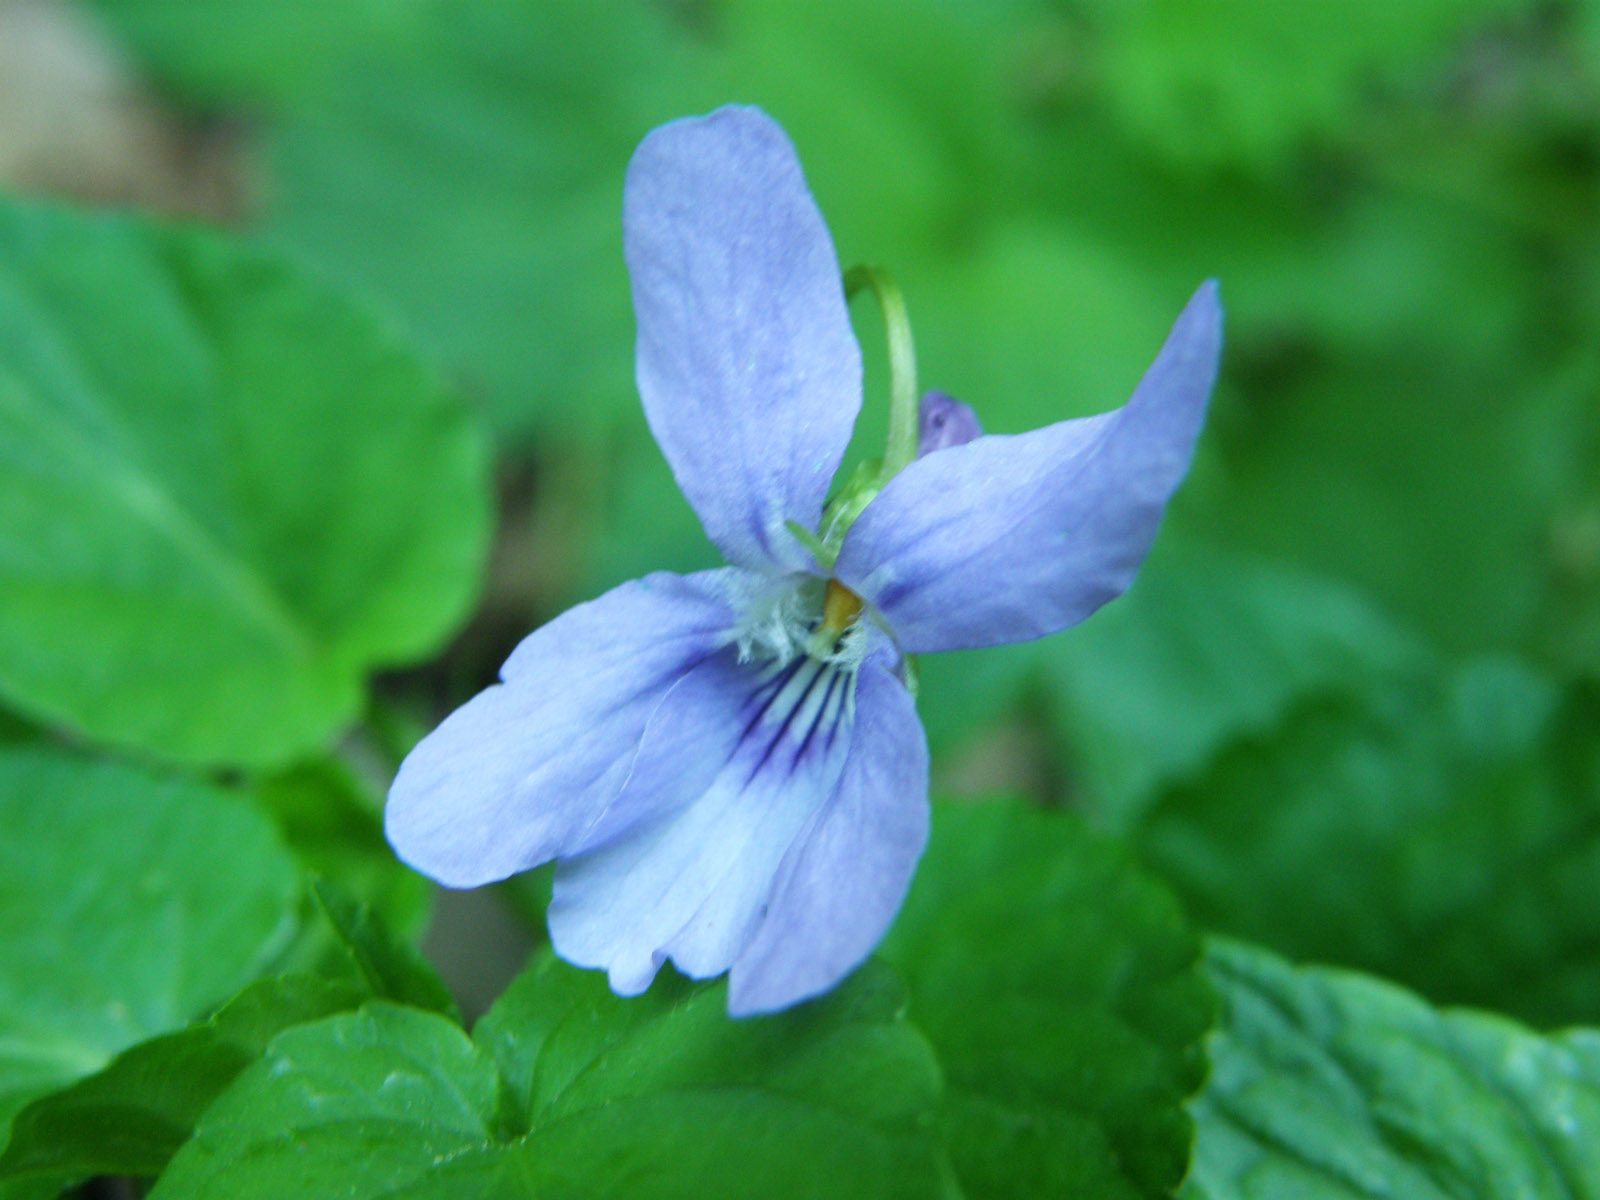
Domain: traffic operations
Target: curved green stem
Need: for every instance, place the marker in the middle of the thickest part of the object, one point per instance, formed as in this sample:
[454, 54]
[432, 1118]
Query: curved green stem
[902, 442]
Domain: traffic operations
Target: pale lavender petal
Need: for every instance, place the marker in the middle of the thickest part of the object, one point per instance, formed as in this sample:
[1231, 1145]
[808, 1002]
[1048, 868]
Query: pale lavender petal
[747, 365]
[734, 765]
[944, 421]
[520, 772]
[1013, 537]
[843, 880]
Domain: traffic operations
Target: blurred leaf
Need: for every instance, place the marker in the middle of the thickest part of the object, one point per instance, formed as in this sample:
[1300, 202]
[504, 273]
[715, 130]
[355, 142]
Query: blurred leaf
[1445, 833]
[567, 1090]
[129, 903]
[1425, 465]
[963, 694]
[1204, 649]
[900, 110]
[1396, 404]
[390, 966]
[643, 523]
[1366, 281]
[1326, 1085]
[492, 159]
[225, 494]
[333, 821]
[527, 896]
[14, 729]
[32, 1189]
[1230, 81]
[130, 1117]
[1039, 321]
[1061, 989]
[255, 50]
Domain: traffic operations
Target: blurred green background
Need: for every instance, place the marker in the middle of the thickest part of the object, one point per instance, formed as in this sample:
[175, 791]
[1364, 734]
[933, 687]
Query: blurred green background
[1351, 709]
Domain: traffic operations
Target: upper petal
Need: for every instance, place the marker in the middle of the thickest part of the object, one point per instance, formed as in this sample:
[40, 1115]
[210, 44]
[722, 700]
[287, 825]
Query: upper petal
[736, 762]
[844, 878]
[1012, 537]
[747, 365]
[517, 774]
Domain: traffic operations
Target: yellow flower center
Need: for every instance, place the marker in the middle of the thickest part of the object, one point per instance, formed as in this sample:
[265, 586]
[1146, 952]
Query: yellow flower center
[840, 606]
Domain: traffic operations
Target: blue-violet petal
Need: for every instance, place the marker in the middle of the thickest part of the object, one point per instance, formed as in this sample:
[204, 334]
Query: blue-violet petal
[734, 765]
[747, 365]
[842, 881]
[1012, 537]
[520, 772]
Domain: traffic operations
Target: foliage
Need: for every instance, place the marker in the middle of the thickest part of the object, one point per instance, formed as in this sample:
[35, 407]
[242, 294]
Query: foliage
[207, 540]
[1330, 1084]
[1060, 989]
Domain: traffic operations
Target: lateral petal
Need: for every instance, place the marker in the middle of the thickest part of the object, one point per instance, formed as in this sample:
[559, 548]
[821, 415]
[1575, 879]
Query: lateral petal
[748, 368]
[845, 877]
[519, 773]
[1008, 538]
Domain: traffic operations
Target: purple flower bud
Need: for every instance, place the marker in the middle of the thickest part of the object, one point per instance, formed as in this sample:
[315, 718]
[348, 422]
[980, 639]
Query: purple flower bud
[944, 421]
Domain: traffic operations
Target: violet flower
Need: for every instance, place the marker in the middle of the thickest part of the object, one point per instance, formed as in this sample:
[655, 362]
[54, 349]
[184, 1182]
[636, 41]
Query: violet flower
[727, 767]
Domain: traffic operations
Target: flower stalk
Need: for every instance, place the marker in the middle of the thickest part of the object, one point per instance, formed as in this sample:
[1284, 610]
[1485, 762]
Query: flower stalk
[901, 446]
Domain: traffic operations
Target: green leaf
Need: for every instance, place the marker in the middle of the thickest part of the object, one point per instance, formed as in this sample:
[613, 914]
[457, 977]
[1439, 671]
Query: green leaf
[390, 966]
[565, 1044]
[33, 1189]
[892, 185]
[1061, 989]
[225, 494]
[258, 50]
[129, 903]
[130, 1117]
[1327, 1085]
[826, 1099]
[1040, 319]
[333, 821]
[1206, 648]
[567, 1090]
[360, 1104]
[642, 523]
[13, 729]
[1232, 80]
[1328, 472]
[1356, 418]
[493, 151]
[1443, 832]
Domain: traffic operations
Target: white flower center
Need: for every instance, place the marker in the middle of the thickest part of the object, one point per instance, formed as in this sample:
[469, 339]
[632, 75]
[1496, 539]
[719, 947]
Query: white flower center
[803, 615]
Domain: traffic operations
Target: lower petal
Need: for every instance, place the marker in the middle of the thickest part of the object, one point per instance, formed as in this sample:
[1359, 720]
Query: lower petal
[734, 766]
[518, 774]
[844, 879]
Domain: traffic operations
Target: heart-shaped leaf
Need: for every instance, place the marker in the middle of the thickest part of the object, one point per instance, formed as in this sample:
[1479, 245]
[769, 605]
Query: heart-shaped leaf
[225, 493]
